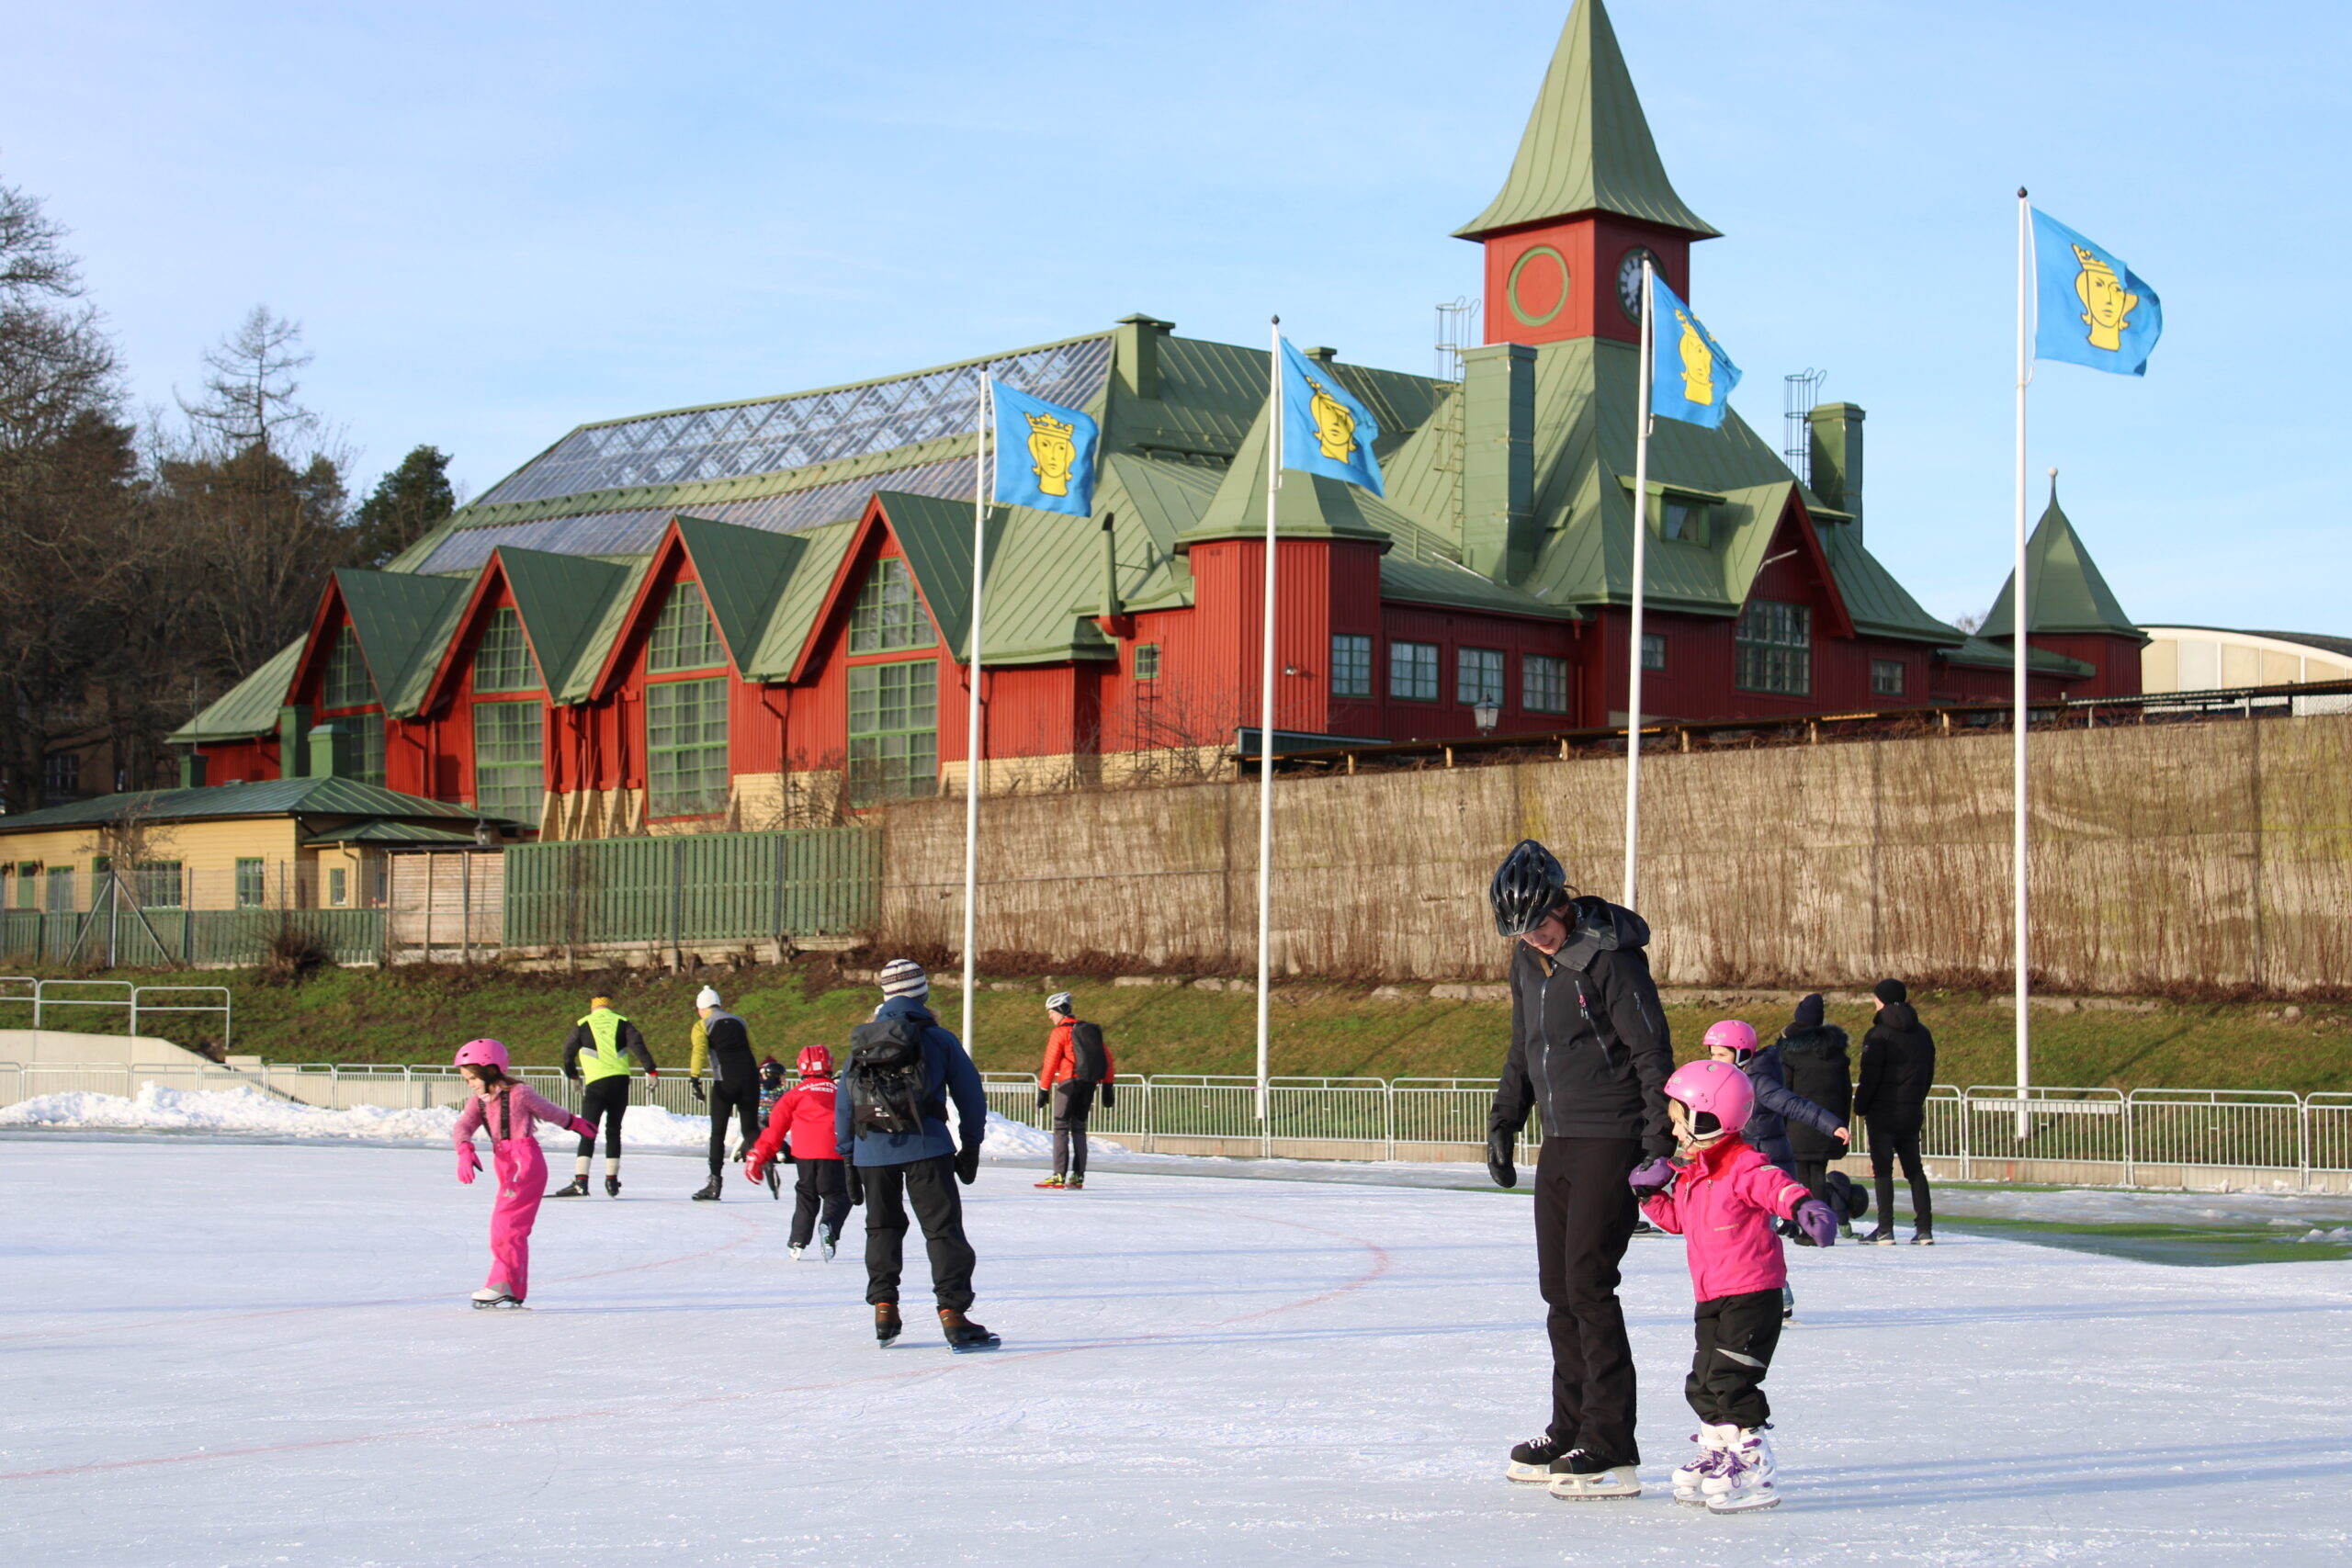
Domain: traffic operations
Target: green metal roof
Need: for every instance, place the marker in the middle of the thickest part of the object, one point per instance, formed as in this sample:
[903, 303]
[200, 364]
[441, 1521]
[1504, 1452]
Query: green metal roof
[793, 617]
[249, 708]
[402, 622]
[1307, 505]
[741, 570]
[2067, 593]
[383, 830]
[1978, 653]
[561, 600]
[1453, 586]
[270, 797]
[580, 683]
[1588, 144]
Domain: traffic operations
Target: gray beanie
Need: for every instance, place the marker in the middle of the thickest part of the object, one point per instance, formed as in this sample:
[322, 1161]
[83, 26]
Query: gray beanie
[904, 977]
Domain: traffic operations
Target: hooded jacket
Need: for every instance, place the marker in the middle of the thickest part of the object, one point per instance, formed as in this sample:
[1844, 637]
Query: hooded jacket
[1589, 1049]
[1723, 1204]
[1814, 1064]
[1780, 1111]
[947, 1075]
[1898, 1069]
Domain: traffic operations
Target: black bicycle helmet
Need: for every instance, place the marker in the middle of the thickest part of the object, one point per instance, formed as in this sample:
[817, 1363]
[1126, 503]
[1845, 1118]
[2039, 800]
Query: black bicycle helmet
[1528, 886]
[770, 1072]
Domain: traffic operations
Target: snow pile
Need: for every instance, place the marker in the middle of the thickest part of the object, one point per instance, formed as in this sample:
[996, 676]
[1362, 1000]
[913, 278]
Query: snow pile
[1008, 1139]
[247, 1110]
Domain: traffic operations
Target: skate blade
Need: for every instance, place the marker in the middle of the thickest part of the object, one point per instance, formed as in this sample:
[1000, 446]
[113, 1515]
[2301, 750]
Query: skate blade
[984, 1345]
[1530, 1474]
[1602, 1486]
[1754, 1502]
[1691, 1499]
[509, 1306]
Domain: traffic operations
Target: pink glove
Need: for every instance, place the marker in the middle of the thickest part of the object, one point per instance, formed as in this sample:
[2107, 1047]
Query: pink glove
[1820, 1226]
[467, 1163]
[585, 1127]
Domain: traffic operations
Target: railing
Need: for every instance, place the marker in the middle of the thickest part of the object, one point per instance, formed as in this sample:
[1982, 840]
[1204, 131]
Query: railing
[45, 995]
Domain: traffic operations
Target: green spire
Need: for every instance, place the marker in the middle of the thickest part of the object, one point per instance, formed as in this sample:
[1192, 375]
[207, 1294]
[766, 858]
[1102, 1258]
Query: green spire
[1307, 505]
[1587, 145]
[2068, 593]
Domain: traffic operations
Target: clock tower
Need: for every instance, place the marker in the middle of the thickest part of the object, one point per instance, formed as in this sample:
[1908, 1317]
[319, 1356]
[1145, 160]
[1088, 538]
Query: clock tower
[1586, 200]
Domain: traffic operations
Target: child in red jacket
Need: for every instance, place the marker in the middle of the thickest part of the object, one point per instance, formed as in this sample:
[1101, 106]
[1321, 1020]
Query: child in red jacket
[1722, 1200]
[800, 1129]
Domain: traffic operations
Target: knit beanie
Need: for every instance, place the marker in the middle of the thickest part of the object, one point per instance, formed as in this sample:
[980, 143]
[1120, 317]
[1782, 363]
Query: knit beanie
[904, 977]
[707, 998]
[1890, 991]
[1809, 1012]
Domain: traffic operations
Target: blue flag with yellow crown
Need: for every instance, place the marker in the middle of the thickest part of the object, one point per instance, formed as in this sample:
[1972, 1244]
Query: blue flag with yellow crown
[2089, 309]
[1691, 375]
[1326, 428]
[1045, 454]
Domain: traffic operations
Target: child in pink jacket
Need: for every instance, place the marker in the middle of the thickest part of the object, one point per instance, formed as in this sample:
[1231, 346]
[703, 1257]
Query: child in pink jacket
[1722, 1200]
[510, 1110]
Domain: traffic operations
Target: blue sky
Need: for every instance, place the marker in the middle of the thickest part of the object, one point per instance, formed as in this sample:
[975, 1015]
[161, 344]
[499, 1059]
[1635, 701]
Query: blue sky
[499, 220]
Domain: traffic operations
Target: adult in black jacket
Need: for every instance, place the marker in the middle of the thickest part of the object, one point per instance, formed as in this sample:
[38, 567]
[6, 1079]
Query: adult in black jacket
[1590, 1053]
[1898, 1067]
[1814, 1064]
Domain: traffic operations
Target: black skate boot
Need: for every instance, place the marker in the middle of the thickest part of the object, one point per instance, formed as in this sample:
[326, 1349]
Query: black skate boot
[1532, 1461]
[964, 1335]
[887, 1326]
[579, 1189]
[1583, 1476]
[612, 1187]
[709, 1193]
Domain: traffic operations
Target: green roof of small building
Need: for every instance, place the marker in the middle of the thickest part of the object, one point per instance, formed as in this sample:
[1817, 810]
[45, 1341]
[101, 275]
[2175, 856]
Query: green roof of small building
[268, 797]
[2065, 592]
[385, 831]
[1587, 145]
[249, 708]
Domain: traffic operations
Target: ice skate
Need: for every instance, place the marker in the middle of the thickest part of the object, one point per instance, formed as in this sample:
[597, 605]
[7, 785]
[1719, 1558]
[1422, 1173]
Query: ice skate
[579, 1189]
[827, 1239]
[1075, 1182]
[964, 1335]
[796, 1249]
[887, 1326]
[1532, 1461]
[1788, 1304]
[1711, 1440]
[1744, 1481]
[709, 1193]
[495, 1298]
[1055, 1181]
[612, 1187]
[1588, 1478]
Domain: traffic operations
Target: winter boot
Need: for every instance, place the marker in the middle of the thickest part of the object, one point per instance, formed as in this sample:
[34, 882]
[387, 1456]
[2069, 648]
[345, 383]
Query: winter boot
[1882, 1236]
[1532, 1460]
[1744, 1479]
[1923, 1237]
[1055, 1181]
[963, 1335]
[579, 1189]
[1711, 1440]
[709, 1193]
[612, 1187]
[1589, 1478]
[827, 1239]
[886, 1324]
[495, 1298]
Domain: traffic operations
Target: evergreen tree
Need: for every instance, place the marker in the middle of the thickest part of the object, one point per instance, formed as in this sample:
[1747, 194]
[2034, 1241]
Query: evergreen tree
[408, 502]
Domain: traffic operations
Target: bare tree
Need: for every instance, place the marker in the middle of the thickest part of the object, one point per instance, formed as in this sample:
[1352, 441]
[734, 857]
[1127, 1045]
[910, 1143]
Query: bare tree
[249, 392]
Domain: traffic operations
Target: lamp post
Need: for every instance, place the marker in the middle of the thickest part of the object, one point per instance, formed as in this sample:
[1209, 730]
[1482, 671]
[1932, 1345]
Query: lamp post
[1486, 712]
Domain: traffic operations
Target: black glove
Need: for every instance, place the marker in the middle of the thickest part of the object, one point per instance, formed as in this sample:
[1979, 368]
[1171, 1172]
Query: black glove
[1500, 1142]
[696, 1085]
[1110, 1094]
[1045, 1097]
[856, 1183]
[968, 1164]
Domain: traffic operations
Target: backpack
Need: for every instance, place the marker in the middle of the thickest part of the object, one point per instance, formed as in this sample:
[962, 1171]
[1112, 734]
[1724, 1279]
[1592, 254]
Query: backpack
[1090, 1063]
[884, 1079]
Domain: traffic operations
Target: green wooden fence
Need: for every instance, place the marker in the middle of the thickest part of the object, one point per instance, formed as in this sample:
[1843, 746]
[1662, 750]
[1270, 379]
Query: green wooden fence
[186, 936]
[694, 887]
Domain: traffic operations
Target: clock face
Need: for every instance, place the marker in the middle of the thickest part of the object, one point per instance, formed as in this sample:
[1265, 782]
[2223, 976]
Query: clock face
[1629, 280]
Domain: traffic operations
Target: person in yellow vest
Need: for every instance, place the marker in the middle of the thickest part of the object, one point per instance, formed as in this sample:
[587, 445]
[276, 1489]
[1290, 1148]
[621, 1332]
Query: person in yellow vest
[597, 1056]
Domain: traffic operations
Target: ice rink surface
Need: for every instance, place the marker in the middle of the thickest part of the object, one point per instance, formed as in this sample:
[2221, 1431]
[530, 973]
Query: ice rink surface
[252, 1354]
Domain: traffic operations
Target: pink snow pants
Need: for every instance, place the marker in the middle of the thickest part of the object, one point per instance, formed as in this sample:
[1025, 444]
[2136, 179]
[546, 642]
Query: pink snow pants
[522, 1183]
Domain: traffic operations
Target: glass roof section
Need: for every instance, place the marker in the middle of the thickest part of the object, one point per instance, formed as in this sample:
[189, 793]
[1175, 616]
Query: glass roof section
[634, 533]
[796, 431]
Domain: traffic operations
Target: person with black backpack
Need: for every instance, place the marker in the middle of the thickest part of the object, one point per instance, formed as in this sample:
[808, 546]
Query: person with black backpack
[1077, 1064]
[890, 1125]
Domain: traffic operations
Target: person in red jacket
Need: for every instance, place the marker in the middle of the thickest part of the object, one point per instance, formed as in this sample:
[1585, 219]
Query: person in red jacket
[1078, 1062]
[800, 1129]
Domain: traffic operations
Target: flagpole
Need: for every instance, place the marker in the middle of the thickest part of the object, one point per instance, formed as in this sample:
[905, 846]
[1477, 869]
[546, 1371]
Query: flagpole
[2020, 646]
[1266, 732]
[1642, 421]
[972, 720]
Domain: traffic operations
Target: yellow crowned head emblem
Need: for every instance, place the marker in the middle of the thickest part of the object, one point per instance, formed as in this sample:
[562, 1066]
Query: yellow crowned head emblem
[1698, 364]
[1054, 451]
[2106, 304]
[1335, 427]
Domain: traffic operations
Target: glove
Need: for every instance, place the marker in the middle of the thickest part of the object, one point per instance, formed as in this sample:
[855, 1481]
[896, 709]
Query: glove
[1820, 1226]
[585, 1127]
[968, 1164]
[855, 1182]
[467, 1163]
[1499, 1163]
[652, 1074]
[755, 1170]
[1045, 1097]
[1110, 1094]
[1653, 1175]
[696, 1085]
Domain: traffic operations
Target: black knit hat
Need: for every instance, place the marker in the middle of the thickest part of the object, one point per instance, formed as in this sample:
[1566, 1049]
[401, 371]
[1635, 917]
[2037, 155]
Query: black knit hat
[1809, 1012]
[1890, 991]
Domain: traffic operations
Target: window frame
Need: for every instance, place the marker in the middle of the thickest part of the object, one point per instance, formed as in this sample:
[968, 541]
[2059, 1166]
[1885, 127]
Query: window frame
[667, 649]
[335, 689]
[494, 779]
[1530, 665]
[338, 887]
[516, 671]
[1397, 647]
[1881, 668]
[1351, 657]
[667, 797]
[1654, 651]
[1779, 663]
[259, 896]
[1146, 662]
[145, 879]
[1498, 692]
[869, 779]
[876, 617]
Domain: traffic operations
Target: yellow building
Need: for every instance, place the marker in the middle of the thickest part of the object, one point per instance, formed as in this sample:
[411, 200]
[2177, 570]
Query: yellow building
[2214, 659]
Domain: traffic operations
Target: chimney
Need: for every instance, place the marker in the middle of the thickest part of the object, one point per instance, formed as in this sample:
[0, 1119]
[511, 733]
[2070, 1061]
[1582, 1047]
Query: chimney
[1111, 605]
[193, 764]
[1137, 354]
[1836, 443]
[332, 745]
[293, 738]
[1498, 460]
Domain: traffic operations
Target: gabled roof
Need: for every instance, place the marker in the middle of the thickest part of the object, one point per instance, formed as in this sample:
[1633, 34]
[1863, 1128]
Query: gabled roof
[561, 600]
[270, 797]
[1307, 505]
[400, 621]
[1979, 654]
[2066, 595]
[793, 617]
[741, 570]
[1452, 586]
[249, 708]
[588, 666]
[1587, 145]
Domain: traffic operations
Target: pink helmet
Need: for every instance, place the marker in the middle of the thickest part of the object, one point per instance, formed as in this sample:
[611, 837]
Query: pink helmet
[815, 1062]
[483, 1053]
[1733, 1034]
[1713, 1088]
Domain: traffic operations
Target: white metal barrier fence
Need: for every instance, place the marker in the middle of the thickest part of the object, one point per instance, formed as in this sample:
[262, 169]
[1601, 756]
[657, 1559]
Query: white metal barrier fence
[44, 997]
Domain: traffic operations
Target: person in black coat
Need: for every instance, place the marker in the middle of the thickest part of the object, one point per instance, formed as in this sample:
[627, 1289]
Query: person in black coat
[1898, 1069]
[1814, 1064]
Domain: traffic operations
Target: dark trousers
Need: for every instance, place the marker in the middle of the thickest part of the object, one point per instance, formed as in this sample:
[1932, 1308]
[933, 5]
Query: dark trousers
[1886, 1148]
[740, 1101]
[1737, 1335]
[1073, 1102]
[604, 1101]
[1583, 1217]
[930, 1185]
[1814, 1176]
[818, 1182]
